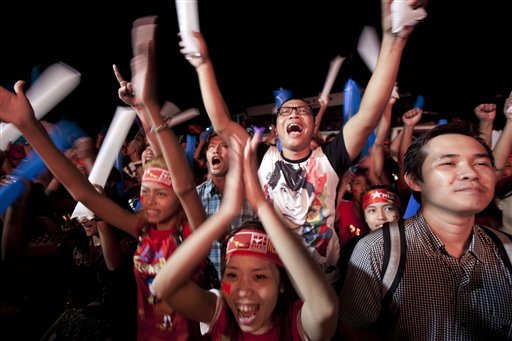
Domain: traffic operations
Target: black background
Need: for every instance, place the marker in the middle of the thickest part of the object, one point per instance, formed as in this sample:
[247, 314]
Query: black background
[456, 58]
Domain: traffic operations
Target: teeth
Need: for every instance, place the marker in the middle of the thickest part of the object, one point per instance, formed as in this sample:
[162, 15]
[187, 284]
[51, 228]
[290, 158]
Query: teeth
[247, 313]
[246, 308]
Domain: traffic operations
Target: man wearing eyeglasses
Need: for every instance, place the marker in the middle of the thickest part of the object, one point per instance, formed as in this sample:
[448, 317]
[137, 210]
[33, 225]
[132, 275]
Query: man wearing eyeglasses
[300, 182]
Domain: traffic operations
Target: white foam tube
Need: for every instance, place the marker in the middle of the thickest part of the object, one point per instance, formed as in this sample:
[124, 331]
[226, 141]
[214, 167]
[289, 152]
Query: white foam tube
[114, 139]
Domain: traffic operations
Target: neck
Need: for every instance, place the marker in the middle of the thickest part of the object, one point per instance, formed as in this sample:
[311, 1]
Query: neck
[296, 155]
[219, 182]
[173, 222]
[453, 230]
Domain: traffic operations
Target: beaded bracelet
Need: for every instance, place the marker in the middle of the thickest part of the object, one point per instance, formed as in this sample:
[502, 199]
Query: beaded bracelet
[159, 127]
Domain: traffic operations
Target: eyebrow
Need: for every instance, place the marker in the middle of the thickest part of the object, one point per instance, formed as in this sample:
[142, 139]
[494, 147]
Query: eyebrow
[477, 155]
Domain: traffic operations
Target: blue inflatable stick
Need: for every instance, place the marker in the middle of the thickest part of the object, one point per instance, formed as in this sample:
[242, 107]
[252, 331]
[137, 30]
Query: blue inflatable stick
[351, 99]
[63, 134]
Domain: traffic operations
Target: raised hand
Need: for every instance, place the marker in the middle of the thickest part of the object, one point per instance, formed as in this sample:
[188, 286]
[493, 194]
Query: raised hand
[15, 107]
[507, 108]
[251, 181]
[203, 50]
[412, 117]
[486, 112]
[234, 193]
[125, 91]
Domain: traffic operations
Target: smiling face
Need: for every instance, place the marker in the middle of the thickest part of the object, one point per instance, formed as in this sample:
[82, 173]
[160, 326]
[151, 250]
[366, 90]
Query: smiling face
[251, 288]
[158, 202]
[295, 128]
[217, 156]
[458, 176]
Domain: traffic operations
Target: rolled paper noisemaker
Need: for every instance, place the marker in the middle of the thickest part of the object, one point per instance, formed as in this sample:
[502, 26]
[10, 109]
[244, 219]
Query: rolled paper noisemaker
[183, 116]
[334, 68]
[368, 47]
[188, 22]
[63, 134]
[52, 86]
[169, 109]
[107, 155]
[402, 14]
[143, 30]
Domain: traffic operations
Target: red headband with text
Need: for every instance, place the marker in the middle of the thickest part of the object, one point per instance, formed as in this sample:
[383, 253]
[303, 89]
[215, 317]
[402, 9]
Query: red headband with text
[252, 243]
[157, 175]
[380, 195]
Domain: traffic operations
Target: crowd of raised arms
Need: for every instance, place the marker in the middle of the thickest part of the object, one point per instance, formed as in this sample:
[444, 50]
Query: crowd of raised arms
[289, 237]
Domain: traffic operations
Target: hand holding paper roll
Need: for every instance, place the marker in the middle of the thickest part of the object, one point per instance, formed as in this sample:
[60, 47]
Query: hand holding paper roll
[331, 77]
[188, 21]
[52, 86]
[403, 14]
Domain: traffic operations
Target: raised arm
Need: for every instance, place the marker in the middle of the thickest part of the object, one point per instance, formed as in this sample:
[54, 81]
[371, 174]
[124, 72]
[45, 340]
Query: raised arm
[503, 148]
[127, 94]
[486, 114]
[378, 90]
[320, 114]
[183, 182]
[214, 103]
[15, 108]
[377, 150]
[172, 283]
[319, 311]
[410, 119]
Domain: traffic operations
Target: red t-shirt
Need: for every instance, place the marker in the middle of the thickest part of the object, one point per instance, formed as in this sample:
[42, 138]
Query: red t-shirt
[350, 224]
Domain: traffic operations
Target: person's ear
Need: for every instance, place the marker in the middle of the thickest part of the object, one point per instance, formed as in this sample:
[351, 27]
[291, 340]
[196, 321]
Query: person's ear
[412, 182]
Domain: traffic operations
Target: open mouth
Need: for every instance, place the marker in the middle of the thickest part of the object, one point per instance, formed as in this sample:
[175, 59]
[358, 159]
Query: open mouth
[216, 161]
[294, 128]
[247, 313]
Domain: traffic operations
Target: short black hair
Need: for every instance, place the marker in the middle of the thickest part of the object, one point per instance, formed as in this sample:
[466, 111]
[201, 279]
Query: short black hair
[296, 99]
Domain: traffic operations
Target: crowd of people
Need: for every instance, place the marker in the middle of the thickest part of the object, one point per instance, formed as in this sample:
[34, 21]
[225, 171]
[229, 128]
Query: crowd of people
[286, 238]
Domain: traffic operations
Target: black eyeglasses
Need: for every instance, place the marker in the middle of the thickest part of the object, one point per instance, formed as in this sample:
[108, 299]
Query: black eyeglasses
[302, 110]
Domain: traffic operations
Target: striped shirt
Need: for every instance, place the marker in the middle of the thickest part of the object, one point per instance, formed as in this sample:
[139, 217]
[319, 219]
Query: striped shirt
[439, 297]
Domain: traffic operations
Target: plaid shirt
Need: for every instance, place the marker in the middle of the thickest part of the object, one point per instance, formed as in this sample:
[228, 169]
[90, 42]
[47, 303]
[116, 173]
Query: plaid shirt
[439, 297]
[211, 197]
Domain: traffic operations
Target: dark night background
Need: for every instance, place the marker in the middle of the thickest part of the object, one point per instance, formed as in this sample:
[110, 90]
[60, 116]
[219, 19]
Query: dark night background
[456, 58]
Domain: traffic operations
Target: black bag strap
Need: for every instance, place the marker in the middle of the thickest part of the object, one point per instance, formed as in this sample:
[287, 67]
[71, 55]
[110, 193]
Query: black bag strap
[504, 243]
[393, 265]
[394, 258]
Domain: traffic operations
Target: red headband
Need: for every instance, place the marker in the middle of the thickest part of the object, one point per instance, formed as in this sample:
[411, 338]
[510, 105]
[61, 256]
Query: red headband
[158, 175]
[380, 195]
[252, 243]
